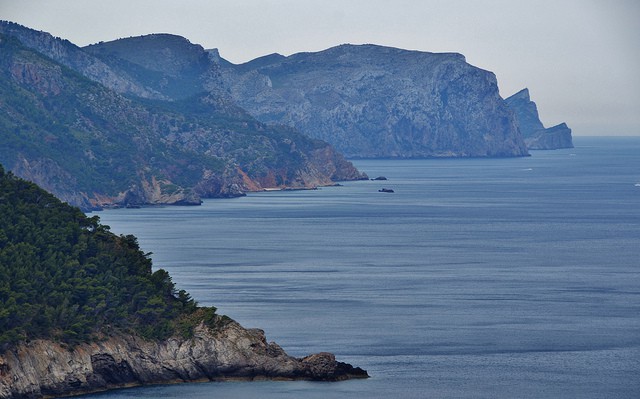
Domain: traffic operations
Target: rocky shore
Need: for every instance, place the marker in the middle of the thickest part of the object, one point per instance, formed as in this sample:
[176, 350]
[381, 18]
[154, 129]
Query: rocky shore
[40, 368]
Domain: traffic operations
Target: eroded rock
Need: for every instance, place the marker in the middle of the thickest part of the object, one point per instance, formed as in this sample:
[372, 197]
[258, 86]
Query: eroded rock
[43, 368]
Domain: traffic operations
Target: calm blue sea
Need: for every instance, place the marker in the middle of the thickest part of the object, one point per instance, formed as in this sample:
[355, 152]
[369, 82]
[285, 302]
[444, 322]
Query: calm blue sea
[477, 278]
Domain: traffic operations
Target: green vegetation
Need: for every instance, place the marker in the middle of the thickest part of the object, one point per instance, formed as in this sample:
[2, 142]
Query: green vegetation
[64, 276]
[51, 112]
[54, 122]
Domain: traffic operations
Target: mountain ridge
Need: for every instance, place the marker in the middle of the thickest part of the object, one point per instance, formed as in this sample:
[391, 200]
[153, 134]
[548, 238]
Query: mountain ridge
[95, 147]
[167, 64]
[244, 121]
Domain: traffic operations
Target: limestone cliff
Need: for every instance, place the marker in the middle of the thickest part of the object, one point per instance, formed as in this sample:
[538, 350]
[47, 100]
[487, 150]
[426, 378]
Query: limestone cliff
[44, 369]
[374, 101]
[536, 136]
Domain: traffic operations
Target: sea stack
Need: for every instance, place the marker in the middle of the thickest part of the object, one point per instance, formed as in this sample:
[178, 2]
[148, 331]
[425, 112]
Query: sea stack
[536, 136]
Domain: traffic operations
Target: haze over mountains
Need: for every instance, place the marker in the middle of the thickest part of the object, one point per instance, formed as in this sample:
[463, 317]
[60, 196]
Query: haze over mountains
[157, 119]
[372, 101]
[95, 136]
[536, 136]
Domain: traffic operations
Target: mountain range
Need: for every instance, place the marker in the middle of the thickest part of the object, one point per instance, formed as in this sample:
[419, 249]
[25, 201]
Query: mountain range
[97, 137]
[157, 119]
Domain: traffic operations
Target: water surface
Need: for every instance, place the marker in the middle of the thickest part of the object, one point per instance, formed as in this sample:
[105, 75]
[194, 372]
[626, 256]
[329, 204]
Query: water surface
[492, 278]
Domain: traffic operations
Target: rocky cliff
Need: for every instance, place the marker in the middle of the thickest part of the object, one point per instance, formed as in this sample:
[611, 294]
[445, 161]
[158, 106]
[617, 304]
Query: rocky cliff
[44, 369]
[93, 147]
[373, 101]
[536, 136]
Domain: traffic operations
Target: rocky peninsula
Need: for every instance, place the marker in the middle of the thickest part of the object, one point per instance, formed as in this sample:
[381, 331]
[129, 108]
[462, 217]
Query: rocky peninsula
[83, 310]
[43, 368]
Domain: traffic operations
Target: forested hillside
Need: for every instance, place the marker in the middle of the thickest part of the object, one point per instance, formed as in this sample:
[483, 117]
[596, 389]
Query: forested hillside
[66, 277]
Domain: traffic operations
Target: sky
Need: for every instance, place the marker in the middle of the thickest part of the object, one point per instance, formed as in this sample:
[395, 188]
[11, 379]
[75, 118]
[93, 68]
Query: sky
[580, 59]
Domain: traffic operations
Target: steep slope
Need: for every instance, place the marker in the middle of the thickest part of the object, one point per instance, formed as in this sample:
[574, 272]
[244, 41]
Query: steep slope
[162, 63]
[71, 56]
[81, 310]
[373, 101]
[93, 147]
[536, 136]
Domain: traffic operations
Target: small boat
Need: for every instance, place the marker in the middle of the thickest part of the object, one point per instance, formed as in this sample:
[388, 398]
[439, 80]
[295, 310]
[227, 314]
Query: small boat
[386, 190]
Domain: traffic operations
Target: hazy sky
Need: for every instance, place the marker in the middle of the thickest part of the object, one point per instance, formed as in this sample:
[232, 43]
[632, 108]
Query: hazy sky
[580, 59]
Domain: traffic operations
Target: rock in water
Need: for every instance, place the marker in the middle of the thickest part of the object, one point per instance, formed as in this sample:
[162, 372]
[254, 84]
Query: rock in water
[374, 101]
[536, 136]
[44, 368]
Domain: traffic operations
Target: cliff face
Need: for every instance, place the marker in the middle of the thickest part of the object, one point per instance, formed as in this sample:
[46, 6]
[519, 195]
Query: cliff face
[93, 147]
[373, 101]
[43, 368]
[536, 136]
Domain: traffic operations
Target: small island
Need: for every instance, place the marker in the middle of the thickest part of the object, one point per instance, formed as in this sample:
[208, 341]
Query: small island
[82, 311]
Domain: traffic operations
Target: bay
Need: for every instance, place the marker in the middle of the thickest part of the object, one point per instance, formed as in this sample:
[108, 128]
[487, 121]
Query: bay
[476, 278]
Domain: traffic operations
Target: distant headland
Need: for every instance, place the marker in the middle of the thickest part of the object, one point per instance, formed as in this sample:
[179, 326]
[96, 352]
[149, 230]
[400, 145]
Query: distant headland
[156, 119]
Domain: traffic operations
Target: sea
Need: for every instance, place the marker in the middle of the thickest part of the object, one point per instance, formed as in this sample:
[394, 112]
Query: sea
[475, 278]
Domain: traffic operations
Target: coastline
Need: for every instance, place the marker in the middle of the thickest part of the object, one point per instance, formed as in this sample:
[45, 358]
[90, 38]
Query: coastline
[46, 369]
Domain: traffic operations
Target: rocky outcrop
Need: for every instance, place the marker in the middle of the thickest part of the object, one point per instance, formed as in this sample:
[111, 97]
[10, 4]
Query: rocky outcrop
[373, 101]
[45, 369]
[551, 138]
[52, 177]
[48, 174]
[536, 136]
